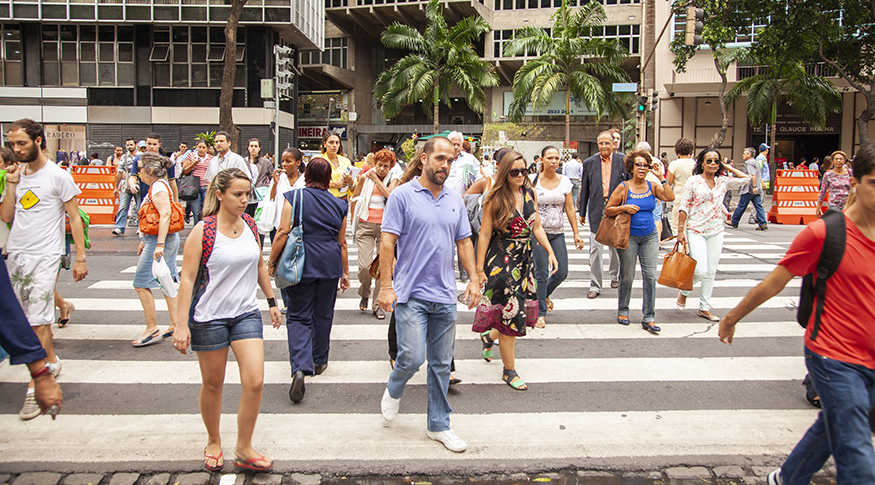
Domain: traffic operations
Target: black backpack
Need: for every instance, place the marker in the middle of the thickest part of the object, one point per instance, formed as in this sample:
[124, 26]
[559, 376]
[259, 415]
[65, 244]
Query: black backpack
[814, 284]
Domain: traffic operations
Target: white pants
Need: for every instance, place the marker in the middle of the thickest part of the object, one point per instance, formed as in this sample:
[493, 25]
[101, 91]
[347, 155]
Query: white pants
[596, 263]
[706, 251]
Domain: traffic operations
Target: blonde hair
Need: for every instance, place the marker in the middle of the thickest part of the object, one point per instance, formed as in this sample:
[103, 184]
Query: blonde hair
[221, 183]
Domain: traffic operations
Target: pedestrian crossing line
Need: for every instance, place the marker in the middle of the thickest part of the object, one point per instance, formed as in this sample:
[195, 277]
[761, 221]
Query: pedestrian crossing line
[567, 284]
[377, 331]
[339, 439]
[575, 304]
[477, 371]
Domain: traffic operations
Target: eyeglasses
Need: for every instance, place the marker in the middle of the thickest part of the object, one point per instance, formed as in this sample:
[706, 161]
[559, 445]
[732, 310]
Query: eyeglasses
[516, 172]
[712, 161]
[642, 165]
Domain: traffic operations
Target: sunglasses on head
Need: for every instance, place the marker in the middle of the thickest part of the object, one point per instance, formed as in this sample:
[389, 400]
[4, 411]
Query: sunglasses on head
[516, 172]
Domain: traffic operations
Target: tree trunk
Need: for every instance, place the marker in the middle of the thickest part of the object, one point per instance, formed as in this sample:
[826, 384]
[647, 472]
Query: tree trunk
[866, 115]
[773, 171]
[226, 98]
[567, 116]
[437, 100]
[720, 136]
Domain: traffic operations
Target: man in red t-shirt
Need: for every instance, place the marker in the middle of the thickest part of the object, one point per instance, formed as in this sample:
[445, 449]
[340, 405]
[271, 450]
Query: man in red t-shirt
[841, 360]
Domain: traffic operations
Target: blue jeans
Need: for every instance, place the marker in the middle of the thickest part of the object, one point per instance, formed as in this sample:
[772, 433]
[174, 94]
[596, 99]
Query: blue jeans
[547, 282]
[124, 204]
[847, 393]
[425, 327]
[742, 206]
[644, 249]
[196, 206]
[575, 192]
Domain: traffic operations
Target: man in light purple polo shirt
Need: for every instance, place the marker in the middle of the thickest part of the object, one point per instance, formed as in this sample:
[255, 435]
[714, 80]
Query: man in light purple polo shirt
[426, 219]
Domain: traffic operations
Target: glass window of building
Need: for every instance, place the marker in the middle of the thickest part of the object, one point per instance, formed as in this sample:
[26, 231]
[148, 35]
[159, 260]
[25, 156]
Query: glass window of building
[86, 55]
[184, 57]
[10, 52]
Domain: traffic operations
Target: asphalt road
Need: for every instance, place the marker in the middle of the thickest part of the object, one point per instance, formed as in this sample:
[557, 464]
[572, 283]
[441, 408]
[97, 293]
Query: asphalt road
[601, 394]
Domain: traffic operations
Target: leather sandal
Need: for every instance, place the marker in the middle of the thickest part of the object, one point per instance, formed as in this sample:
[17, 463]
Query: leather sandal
[487, 346]
[518, 384]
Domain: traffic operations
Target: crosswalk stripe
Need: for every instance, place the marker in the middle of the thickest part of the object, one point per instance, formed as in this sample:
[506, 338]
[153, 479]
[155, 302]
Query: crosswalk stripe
[377, 331]
[710, 369]
[345, 439]
[573, 304]
[569, 283]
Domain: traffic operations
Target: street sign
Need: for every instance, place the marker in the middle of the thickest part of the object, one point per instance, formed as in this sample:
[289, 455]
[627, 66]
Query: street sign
[624, 87]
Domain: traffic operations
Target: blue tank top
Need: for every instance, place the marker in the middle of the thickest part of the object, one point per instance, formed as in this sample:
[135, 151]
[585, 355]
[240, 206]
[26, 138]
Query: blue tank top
[642, 222]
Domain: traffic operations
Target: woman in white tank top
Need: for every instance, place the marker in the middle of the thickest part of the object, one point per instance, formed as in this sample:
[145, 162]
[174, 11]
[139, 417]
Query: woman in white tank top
[218, 309]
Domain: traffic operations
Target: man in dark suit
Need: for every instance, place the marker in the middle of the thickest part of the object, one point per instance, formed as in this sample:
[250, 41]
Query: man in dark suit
[602, 173]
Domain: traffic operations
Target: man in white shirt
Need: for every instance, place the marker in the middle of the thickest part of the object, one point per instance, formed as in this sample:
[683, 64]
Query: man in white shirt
[225, 158]
[465, 169]
[40, 193]
[573, 169]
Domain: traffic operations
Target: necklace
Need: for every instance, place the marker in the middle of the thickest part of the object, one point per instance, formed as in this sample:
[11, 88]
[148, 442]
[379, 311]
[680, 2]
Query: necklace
[233, 228]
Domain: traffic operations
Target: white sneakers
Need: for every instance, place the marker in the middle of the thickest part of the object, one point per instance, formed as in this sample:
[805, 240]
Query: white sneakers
[55, 367]
[449, 439]
[775, 478]
[389, 407]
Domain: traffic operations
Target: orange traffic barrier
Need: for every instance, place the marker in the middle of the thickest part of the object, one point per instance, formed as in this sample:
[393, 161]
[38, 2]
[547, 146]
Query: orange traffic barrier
[97, 185]
[794, 199]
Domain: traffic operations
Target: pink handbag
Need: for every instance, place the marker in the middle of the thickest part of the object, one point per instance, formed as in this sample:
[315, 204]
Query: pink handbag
[489, 316]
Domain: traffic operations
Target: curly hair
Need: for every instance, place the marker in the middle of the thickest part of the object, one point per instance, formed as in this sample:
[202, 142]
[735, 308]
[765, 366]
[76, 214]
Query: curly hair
[385, 155]
[684, 146]
[629, 161]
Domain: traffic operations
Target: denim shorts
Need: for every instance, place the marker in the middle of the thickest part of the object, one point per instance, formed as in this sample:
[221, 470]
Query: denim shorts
[143, 277]
[218, 334]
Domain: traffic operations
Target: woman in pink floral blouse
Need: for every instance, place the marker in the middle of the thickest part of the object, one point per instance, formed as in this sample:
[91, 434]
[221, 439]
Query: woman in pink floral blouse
[702, 214]
[837, 182]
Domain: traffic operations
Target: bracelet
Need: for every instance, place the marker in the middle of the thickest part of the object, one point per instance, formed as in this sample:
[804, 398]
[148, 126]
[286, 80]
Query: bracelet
[271, 302]
[80, 260]
[45, 370]
[664, 182]
[159, 244]
[481, 271]
[271, 263]
[386, 288]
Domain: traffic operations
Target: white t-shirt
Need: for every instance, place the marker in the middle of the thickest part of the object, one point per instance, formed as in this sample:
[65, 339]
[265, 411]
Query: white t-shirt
[233, 269]
[464, 171]
[158, 186]
[38, 227]
[281, 188]
[551, 204]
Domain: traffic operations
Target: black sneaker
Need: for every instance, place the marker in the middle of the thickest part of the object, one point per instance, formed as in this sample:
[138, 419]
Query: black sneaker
[118, 232]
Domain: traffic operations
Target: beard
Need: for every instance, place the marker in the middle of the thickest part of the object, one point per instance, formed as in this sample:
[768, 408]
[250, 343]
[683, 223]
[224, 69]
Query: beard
[437, 177]
[29, 155]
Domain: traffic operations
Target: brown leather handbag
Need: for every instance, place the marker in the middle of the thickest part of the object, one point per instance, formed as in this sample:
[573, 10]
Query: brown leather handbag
[614, 230]
[677, 269]
[374, 269]
[150, 218]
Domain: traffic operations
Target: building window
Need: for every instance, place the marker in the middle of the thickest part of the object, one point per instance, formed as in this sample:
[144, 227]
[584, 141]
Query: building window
[335, 53]
[10, 52]
[193, 57]
[87, 55]
[524, 4]
[628, 35]
[500, 38]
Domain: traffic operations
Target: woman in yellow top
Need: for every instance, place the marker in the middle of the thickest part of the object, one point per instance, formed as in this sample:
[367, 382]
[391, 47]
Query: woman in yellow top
[342, 183]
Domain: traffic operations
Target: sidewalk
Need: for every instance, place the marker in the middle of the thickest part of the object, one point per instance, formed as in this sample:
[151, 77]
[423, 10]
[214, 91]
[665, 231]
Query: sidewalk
[697, 475]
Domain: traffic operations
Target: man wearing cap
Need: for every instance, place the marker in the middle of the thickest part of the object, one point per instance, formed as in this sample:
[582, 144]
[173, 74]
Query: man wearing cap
[763, 160]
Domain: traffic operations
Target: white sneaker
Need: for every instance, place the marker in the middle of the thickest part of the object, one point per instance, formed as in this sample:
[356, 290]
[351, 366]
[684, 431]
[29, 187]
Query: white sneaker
[30, 409]
[56, 368]
[389, 407]
[449, 439]
[775, 478]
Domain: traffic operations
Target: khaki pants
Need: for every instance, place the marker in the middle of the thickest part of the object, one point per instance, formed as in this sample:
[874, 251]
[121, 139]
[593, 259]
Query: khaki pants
[367, 240]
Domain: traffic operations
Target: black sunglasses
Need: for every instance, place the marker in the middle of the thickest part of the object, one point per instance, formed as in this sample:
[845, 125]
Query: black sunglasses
[516, 172]
[712, 161]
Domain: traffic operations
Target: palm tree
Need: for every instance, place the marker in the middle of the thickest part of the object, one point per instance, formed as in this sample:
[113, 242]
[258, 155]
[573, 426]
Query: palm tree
[786, 81]
[441, 58]
[562, 64]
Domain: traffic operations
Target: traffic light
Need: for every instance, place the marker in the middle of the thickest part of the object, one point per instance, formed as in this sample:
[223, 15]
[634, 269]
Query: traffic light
[654, 100]
[642, 104]
[284, 71]
[695, 26]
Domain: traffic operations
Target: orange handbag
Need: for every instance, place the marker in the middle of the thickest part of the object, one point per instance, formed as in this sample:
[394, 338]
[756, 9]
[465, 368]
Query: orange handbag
[614, 230]
[149, 216]
[677, 269]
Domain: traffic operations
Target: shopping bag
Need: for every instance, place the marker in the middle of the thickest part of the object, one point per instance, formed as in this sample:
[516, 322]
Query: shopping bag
[265, 216]
[162, 275]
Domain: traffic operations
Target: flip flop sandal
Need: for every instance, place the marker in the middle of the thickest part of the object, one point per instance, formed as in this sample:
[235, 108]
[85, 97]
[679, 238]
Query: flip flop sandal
[454, 380]
[549, 304]
[167, 334]
[250, 463]
[150, 339]
[380, 314]
[363, 304]
[213, 468]
[62, 322]
[517, 384]
[487, 346]
[541, 323]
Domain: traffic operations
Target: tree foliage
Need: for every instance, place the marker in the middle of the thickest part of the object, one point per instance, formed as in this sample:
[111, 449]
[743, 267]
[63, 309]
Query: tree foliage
[441, 58]
[574, 58]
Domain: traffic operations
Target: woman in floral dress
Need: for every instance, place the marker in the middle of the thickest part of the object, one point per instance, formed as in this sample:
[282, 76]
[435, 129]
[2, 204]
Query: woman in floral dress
[836, 182]
[504, 259]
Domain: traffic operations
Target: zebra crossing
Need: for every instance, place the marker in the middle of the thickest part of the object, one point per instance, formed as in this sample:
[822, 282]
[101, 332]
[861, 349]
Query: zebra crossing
[601, 394]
